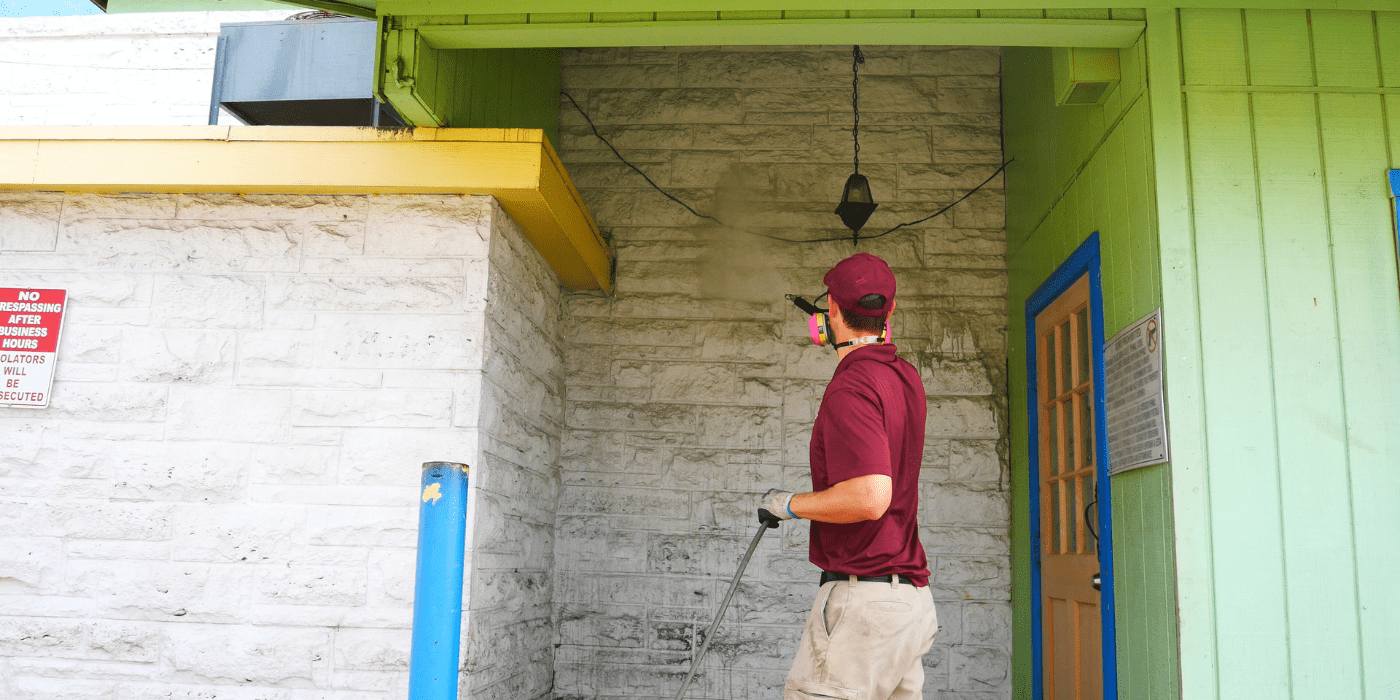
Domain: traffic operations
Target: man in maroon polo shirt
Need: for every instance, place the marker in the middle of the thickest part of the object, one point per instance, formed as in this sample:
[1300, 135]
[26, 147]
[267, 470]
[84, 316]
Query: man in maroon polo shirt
[874, 617]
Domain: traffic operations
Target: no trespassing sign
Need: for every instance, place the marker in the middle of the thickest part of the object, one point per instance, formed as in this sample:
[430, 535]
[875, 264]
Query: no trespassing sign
[30, 322]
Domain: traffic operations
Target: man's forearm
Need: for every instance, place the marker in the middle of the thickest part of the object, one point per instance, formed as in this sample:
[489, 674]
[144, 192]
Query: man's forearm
[850, 501]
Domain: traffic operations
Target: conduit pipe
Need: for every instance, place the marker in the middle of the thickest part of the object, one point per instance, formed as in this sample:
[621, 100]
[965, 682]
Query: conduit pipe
[437, 590]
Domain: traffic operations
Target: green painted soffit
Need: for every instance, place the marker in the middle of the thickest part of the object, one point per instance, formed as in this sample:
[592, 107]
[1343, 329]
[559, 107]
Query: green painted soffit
[928, 31]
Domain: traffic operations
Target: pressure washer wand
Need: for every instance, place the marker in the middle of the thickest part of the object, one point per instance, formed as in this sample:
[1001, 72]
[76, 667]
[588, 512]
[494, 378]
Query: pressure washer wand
[767, 520]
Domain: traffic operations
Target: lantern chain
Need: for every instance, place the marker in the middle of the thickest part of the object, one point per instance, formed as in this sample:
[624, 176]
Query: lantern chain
[857, 58]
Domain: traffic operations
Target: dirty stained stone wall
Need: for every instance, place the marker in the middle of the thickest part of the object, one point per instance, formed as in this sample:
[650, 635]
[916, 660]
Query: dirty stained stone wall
[693, 389]
[222, 499]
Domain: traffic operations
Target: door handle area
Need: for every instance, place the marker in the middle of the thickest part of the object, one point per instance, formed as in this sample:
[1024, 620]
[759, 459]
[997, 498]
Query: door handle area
[1097, 581]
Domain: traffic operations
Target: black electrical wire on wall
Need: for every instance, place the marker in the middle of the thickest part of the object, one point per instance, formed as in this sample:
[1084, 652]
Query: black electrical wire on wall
[860, 59]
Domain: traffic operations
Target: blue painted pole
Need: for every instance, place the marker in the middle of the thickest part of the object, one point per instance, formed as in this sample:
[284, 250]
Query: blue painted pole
[437, 592]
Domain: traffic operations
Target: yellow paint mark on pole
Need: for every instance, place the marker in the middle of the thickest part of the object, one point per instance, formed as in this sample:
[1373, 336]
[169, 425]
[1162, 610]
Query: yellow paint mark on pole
[432, 493]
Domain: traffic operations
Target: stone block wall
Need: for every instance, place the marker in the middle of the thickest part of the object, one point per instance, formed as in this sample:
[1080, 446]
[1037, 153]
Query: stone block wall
[693, 389]
[222, 498]
[509, 644]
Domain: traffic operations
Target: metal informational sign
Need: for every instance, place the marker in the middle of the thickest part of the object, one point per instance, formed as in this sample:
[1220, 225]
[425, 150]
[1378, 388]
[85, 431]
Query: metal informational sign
[30, 321]
[1135, 411]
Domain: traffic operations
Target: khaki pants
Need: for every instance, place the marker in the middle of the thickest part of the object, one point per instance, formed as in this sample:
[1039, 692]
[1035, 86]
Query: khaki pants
[864, 640]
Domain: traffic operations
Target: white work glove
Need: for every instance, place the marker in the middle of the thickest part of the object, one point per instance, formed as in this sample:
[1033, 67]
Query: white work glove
[778, 503]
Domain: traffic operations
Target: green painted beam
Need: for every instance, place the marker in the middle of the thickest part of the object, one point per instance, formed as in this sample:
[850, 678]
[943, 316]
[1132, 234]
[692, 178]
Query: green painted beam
[462, 7]
[844, 7]
[938, 31]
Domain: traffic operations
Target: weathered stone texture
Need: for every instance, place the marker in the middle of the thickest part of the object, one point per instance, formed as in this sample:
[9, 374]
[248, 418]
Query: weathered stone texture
[221, 500]
[508, 643]
[693, 389]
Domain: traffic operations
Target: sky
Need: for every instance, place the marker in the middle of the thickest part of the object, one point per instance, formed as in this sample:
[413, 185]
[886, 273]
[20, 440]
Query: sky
[35, 8]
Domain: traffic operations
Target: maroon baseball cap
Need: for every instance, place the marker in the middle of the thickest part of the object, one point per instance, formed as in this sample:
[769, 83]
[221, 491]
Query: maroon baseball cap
[857, 276]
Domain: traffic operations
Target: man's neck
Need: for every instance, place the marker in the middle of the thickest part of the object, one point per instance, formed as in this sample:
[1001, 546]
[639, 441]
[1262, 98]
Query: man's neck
[841, 353]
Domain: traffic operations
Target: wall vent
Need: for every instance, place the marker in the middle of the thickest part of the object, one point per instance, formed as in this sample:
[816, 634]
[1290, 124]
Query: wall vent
[1084, 76]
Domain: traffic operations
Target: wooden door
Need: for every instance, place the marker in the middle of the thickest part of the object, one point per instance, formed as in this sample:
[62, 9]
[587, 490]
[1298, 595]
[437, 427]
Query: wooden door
[1072, 648]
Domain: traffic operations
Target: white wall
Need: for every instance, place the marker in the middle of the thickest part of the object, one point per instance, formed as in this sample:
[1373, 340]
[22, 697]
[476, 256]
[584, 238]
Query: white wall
[113, 70]
[221, 500]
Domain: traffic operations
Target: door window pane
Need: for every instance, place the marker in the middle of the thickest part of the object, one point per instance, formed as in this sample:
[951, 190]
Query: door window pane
[1052, 447]
[1053, 517]
[1071, 505]
[1082, 320]
[1065, 356]
[1051, 384]
[1071, 435]
[1086, 428]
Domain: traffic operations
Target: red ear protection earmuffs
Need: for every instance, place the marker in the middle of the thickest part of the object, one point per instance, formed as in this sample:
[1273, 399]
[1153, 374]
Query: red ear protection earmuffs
[819, 325]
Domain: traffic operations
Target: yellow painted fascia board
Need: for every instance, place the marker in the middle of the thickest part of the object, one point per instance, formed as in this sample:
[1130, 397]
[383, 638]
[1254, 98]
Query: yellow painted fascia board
[792, 32]
[516, 166]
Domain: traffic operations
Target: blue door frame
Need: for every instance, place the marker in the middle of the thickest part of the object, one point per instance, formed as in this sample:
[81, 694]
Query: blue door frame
[1084, 260]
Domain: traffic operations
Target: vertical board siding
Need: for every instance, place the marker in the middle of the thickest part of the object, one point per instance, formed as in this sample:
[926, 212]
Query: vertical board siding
[1278, 47]
[1344, 53]
[1215, 54]
[1363, 242]
[1060, 190]
[1298, 318]
[1237, 370]
[1307, 386]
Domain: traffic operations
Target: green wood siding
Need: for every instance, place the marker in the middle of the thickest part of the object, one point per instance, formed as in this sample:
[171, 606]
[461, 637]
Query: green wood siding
[470, 88]
[1282, 324]
[1081, 169]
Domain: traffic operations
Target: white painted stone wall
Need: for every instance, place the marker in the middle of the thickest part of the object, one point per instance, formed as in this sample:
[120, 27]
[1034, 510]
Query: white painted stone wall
[509, 643]
[222, 499]
[113, 70]
[693, 389]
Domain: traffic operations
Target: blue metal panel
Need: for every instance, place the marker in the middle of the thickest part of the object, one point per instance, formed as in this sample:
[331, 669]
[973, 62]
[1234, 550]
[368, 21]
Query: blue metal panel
[308, 60]
[437, 593]
[1395, 203]
[1084, 260]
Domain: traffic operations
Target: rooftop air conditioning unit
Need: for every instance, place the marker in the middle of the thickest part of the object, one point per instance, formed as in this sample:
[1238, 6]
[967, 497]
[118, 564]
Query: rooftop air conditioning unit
[299, 73]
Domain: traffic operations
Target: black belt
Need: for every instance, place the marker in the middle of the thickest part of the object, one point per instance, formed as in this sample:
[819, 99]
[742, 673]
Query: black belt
[828, 577]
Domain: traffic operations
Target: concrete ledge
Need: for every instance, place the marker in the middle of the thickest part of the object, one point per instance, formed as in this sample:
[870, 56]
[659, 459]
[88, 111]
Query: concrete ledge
[516, 166]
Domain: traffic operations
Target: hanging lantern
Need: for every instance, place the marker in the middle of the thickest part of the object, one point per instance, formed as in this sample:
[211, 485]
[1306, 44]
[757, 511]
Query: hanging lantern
[856, 203]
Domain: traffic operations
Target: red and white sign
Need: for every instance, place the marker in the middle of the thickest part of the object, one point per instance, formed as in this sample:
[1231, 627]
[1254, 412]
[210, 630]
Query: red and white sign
[30, 320]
